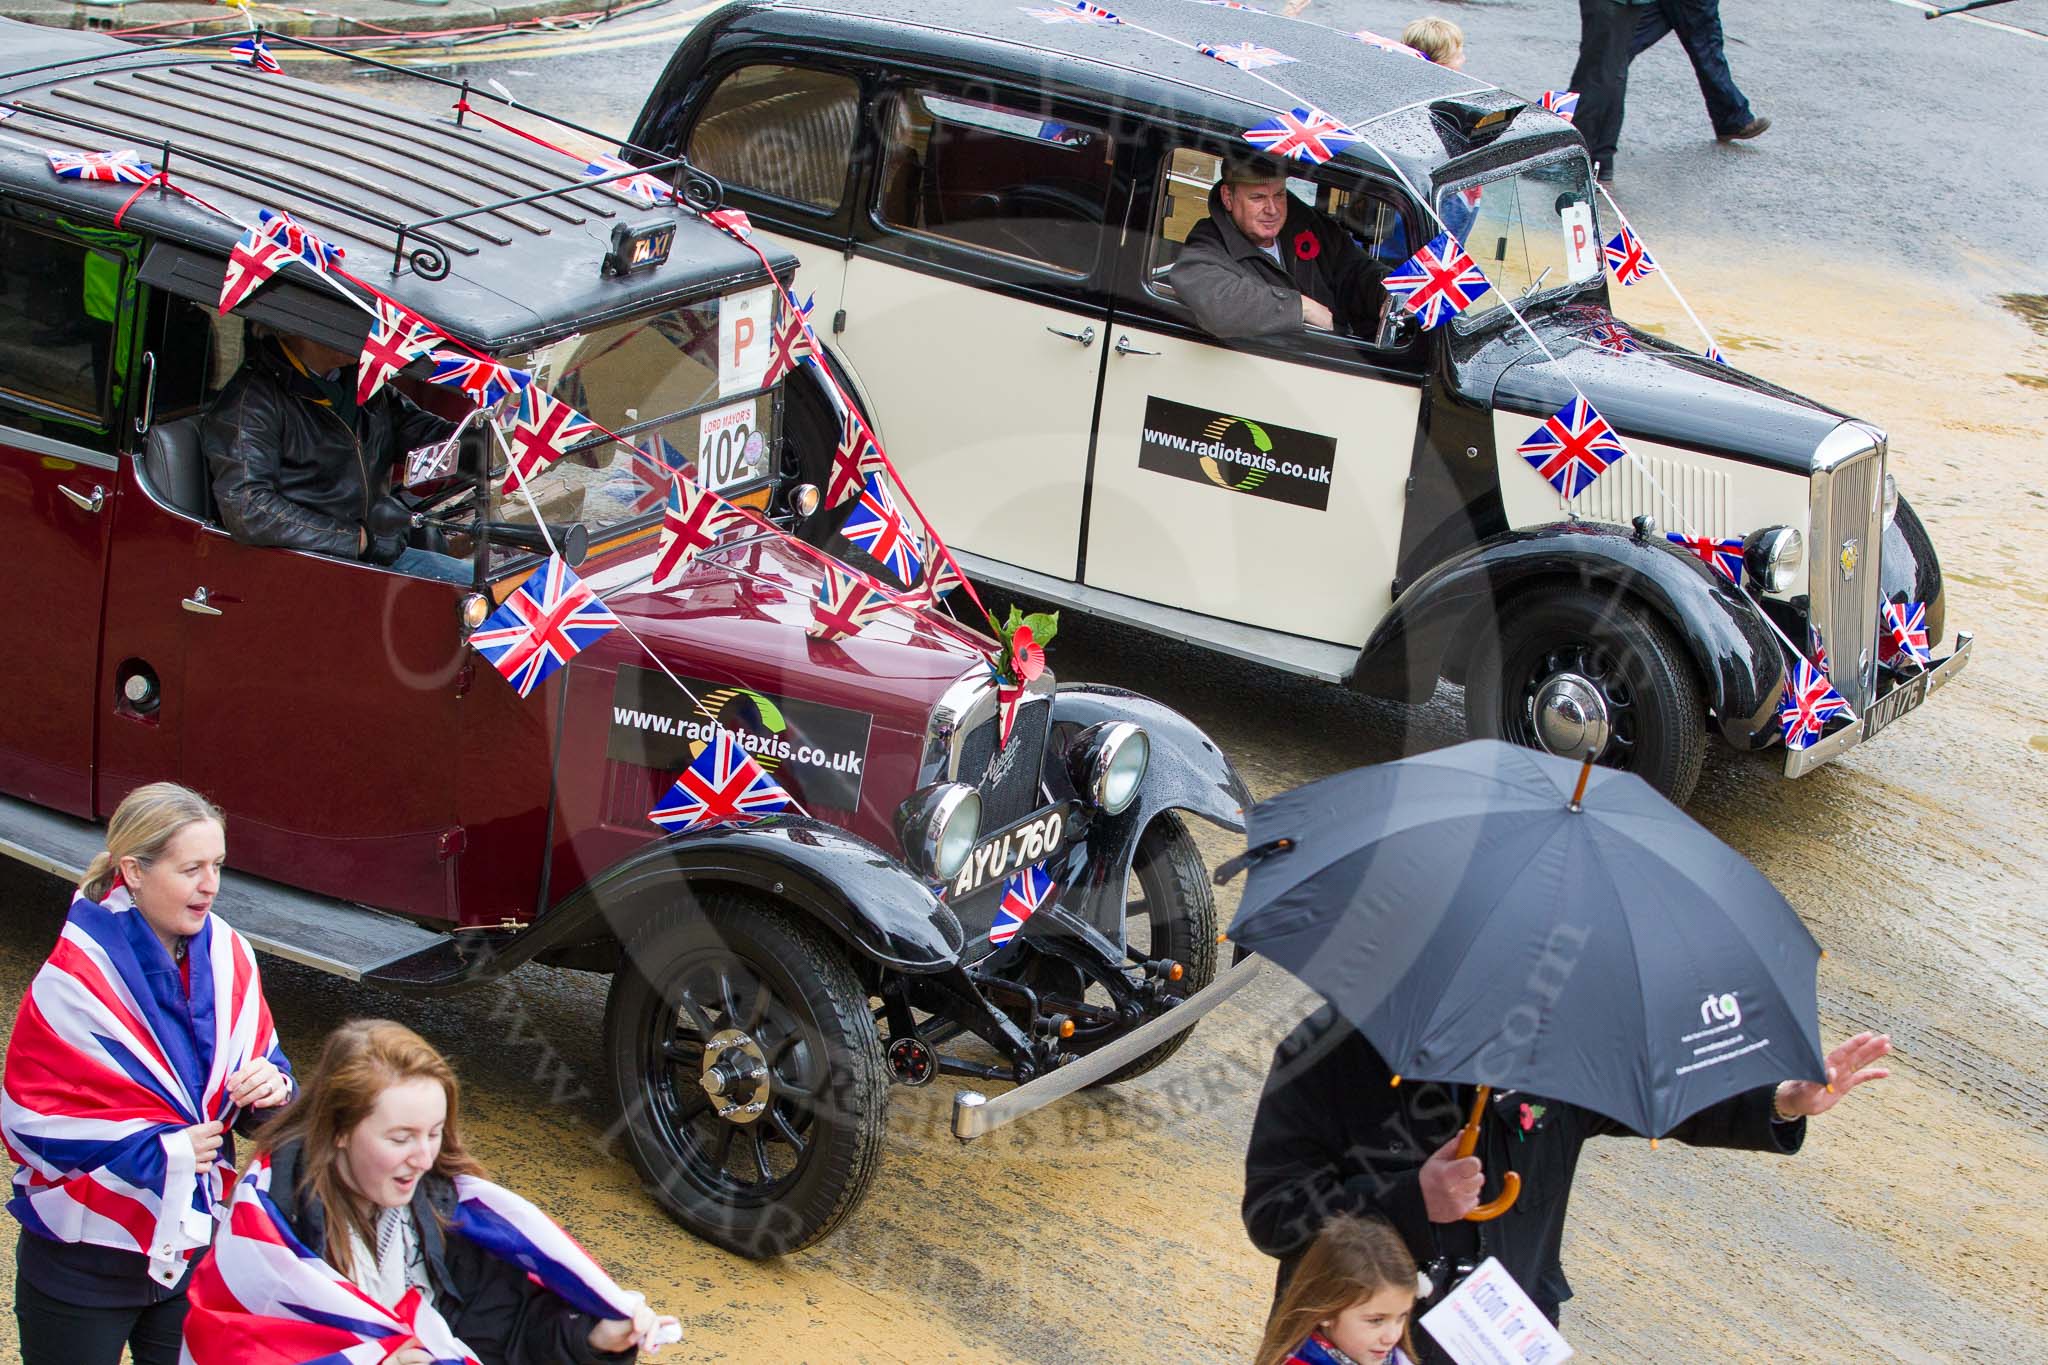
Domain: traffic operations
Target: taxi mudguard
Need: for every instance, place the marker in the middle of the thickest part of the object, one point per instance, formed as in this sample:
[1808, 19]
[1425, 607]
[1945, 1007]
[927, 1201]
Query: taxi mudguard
[1437, 620]
[859, 892]
[1187, 772]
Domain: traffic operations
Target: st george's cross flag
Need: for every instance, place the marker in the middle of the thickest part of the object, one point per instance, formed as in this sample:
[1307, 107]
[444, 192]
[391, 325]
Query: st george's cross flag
[1437, 282]
[1023, 894]
[545, 430]
[255, 53]
[856, 457]
[876, 525]
[553, 617]
[692, 522]
[1905, 632]
[1302, 134]
[1724, 557]
[641, 187]
[487, 382]
[722, 785]
[110, 1060]
[397, 338]
[842, 603]
[122, 167]
[1627, 258]
[254, 258]
[1573, 447]
[794, 343]
[1810, 703]
[299, 239]
[1245, 56]
[1563, 103]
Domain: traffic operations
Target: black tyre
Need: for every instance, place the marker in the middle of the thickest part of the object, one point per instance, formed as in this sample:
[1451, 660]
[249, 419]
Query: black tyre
[746, 1062]
[1171, 913]
[1571, 669]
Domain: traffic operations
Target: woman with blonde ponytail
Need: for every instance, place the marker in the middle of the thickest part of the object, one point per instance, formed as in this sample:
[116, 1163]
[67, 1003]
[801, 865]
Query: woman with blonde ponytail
[142, 1041]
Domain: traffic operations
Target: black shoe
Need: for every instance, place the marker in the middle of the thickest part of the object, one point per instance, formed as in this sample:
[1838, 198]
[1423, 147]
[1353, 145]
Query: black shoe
[1756, 127]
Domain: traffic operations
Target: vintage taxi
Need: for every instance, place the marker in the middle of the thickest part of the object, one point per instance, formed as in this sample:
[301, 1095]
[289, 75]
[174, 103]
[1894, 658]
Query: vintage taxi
[988, 198]
[397, 813]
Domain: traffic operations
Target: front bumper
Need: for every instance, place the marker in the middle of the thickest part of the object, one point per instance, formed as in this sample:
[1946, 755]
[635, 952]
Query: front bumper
[1888, 707]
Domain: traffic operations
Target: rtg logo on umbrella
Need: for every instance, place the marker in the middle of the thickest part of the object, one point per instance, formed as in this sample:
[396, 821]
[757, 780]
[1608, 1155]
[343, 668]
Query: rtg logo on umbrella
[1721, 1009]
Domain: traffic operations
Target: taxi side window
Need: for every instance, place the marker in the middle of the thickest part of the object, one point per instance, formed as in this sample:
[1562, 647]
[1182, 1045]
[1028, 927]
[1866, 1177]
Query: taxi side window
[197, 351]
[780, 131]
[60, 303]
[999, 178]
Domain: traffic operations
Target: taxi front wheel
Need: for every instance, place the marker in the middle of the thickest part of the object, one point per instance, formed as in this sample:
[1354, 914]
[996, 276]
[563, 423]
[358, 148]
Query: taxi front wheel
[1573, 671]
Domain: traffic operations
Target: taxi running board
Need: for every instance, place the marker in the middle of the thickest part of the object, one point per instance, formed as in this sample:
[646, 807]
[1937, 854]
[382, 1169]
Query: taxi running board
[976, 1115]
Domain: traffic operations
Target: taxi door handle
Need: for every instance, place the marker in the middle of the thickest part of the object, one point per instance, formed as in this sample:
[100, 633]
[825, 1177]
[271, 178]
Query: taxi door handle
[200, 603]
[1086, 336]
[92, 502]
[1124, 347]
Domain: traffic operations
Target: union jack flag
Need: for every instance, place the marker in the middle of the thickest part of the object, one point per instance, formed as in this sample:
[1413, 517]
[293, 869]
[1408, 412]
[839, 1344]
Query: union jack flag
[553, 617]
[940, 576]
[1009, 702]
[253, 51]
[1371, 39]
[1714, 354]
[397, 338]
[1074, 12]
[1437, 281]
[545, 430]
[1306, 134]
[1627, 258]
[110, 1057]
[1023, 894]
[694, 520]
[734, 221]
[285, 229]
[1810, 703]
[856, 457]
[794, 343]
[1563, 103]
[1724, 557]
[486, 381]
[1612, 336]
[253, 259]
[124, 167]
[1905, 628]
[723, 784]
[1817, 645]
[1245, 56]
[656, 465]
[1573, 447]
[641, 189]
[876, 525]
[843, 603]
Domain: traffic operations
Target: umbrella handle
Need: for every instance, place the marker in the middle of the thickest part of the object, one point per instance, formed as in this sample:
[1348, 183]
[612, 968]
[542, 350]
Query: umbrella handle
[1468, 1142]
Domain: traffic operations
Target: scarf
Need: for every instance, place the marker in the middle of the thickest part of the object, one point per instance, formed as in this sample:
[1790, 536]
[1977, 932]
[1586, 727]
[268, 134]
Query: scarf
[110, 1059]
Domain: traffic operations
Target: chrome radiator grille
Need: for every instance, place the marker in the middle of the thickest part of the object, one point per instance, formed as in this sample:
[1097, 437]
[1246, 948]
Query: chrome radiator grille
[1843, 583]
[1007, 780]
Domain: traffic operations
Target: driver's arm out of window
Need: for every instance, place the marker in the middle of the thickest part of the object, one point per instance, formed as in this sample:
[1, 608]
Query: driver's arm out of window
[243, 437]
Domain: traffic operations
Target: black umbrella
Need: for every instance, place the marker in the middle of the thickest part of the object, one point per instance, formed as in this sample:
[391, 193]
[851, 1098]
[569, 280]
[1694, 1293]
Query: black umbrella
[1487, 915]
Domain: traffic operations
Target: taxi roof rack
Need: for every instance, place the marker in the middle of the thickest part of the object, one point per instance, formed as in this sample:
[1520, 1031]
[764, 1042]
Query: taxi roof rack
[428, 253]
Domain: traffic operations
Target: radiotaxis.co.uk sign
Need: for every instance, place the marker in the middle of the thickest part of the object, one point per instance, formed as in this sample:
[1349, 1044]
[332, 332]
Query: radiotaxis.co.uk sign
[1260, 459]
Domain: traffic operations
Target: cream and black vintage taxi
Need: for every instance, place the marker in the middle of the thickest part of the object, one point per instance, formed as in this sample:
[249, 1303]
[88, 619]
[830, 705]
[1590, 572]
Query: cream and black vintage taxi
[988, 197]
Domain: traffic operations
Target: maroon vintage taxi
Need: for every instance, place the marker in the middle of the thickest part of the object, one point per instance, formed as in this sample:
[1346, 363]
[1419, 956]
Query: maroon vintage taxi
[398, 814]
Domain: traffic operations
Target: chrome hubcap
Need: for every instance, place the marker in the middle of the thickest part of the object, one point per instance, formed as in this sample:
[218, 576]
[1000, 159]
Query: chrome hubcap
[736, 1076]
[1571, 717]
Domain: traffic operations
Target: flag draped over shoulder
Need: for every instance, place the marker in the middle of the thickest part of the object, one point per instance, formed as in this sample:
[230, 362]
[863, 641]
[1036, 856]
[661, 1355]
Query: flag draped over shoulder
[264, 1298]
[103, 1072]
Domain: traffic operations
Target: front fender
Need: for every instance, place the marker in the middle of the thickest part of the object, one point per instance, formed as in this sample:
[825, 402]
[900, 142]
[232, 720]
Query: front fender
[856, 890]
[1433, 625]
[1910, 569]
[1187, 772]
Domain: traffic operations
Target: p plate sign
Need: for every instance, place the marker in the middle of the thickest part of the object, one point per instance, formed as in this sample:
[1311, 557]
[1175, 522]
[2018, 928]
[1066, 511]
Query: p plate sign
[1488, 1320]
[744, 320]
[1581, 246]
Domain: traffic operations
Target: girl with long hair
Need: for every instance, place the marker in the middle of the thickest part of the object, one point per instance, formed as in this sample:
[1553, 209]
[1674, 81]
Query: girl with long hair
[142, 1042]
[1349, 1301]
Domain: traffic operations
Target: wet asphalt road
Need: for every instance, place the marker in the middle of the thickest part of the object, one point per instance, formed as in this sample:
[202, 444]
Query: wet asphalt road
[1857, 253]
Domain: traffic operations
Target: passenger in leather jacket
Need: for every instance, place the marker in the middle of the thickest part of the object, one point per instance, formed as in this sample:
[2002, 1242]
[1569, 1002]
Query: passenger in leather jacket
[297, 463]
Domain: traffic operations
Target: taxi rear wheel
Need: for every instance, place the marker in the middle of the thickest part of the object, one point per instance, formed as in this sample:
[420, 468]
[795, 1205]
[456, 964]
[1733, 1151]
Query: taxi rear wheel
[746, 1062]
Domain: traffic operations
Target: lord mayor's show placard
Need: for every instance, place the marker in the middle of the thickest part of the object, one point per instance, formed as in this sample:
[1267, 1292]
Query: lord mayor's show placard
[815, 750]
[1259, 459]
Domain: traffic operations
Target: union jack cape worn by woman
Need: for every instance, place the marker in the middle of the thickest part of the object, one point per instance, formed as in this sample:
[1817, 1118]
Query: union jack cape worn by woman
[110, 1059]
[264, 1298]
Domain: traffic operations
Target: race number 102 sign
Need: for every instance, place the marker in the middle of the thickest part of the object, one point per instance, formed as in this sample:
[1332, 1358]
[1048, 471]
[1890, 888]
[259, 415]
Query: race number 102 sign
[729, 447]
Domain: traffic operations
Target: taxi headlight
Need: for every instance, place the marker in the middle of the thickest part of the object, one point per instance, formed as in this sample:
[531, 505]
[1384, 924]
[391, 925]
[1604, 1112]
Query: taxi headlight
[1771, 557]
[937, 828]
[1108, 763]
